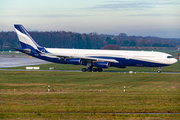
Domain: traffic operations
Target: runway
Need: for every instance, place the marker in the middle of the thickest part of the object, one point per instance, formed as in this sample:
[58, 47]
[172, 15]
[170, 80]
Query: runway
[18, 60]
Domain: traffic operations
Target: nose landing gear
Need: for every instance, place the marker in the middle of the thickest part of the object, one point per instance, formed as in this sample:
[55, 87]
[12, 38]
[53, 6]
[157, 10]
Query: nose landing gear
[159, 70]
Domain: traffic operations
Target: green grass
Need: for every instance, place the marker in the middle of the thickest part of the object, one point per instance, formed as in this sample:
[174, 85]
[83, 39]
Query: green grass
[96, 116]
[23, 95]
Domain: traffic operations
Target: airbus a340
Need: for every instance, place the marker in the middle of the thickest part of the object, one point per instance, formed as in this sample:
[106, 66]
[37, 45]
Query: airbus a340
[94, 60]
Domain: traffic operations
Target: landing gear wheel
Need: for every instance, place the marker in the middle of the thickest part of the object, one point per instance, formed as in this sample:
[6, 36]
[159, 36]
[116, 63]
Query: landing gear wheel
[100, 70]
[94, 69]
[89, 69]
[159, 71]
[84, 70]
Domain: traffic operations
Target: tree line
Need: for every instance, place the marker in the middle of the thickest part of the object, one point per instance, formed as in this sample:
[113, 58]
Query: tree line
[62, 39]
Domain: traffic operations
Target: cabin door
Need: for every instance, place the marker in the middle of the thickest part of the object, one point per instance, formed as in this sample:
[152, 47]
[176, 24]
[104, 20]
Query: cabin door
[159, 57]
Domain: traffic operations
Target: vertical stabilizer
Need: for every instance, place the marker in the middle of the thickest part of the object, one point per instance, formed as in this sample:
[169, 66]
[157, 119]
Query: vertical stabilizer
[26, 40]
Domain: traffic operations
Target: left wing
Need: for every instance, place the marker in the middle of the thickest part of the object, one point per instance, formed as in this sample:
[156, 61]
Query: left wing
[83, 58]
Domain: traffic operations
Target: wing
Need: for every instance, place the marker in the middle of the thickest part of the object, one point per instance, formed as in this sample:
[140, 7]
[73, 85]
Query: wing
[85, 59]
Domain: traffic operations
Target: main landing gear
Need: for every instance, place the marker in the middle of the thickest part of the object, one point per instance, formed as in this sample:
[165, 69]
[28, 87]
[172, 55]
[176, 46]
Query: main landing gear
[159, 70]
[90, 68]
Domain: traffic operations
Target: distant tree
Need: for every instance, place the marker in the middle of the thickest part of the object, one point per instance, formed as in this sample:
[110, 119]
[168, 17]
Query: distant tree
[122, 35]
[80, 41]
[132, 43]
[111, 47]
[109, 41]
[64, 39]
[144, 43]
[157, 45]
[125, 43]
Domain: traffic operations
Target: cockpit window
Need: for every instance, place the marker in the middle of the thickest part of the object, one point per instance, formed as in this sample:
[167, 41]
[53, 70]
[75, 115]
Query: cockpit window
[169, 56]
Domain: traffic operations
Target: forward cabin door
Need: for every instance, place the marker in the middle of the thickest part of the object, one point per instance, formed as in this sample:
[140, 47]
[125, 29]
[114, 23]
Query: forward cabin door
[80, 53]
[159, 57]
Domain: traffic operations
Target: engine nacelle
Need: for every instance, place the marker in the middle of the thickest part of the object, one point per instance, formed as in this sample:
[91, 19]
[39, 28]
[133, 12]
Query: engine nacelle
[75, 61]
[101, 64]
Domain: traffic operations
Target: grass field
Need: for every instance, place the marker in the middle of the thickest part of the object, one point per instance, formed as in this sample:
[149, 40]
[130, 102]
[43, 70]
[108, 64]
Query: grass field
[23, 95]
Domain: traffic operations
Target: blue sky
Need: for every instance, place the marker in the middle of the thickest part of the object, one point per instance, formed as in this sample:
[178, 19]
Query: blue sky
[159, 18]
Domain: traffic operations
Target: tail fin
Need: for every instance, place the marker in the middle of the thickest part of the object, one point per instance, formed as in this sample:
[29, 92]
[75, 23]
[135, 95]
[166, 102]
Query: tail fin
[26, 40]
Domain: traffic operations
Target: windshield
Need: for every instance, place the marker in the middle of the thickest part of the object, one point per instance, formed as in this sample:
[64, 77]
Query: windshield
[169, 56]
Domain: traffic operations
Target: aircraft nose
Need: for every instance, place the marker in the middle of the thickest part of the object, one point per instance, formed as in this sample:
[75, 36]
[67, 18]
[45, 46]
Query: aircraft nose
[174, 61]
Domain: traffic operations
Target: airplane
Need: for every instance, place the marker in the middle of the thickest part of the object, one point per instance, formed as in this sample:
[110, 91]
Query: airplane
[99, 59]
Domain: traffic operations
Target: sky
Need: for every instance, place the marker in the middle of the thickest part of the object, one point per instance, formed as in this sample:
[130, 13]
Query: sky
[160, 18]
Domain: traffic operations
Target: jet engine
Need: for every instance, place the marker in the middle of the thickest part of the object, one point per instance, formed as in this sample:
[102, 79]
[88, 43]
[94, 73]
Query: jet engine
[75, 61]
[101, 64]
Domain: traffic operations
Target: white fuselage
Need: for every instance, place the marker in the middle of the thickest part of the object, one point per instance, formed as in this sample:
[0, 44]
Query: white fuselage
[148, 56]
